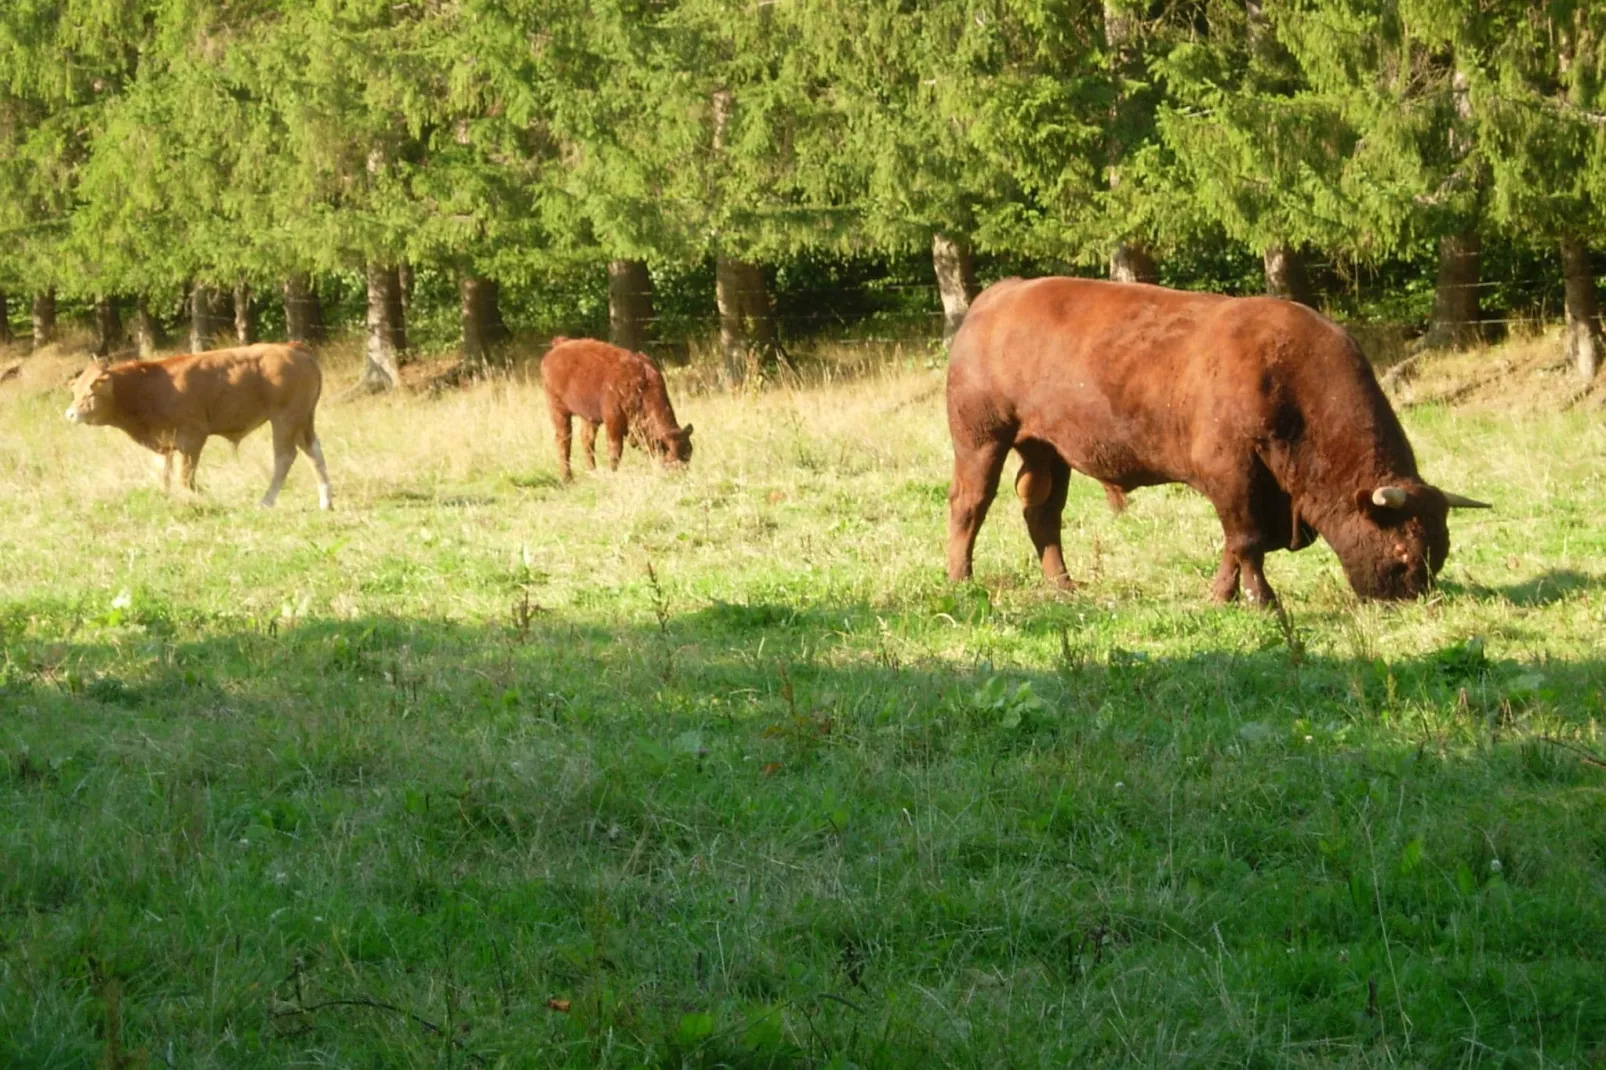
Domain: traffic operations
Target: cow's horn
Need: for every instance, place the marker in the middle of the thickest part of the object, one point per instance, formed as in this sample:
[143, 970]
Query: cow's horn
[1389, 497]
[1457, 501]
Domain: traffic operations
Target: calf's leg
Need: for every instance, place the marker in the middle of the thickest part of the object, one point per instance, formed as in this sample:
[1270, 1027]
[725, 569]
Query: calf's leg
[314, 451]
[617, 427]
[284, 455]
[562, 432]
[588, 443]
[976, 471]
[189, 455]
[1042, 485]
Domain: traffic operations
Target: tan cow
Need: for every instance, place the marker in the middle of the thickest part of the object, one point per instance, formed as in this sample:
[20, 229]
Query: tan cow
[175, 404]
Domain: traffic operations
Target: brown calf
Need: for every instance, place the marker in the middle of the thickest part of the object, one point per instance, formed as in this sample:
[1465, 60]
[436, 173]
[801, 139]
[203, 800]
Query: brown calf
[621, 390]
[175, 404]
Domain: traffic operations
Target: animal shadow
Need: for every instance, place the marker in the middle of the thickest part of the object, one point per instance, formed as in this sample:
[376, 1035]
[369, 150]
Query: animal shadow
[1550, 587]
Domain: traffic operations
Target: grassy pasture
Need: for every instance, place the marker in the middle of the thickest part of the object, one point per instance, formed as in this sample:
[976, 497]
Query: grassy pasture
[715, 769]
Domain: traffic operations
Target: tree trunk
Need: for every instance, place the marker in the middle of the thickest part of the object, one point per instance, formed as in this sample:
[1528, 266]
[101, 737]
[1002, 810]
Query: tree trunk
[143, 327]
[746, 321]
[1285, 274]
[1132, 263]
[956, 281]
[108, 326]
[1582, 341]
[5, 321]
[404, 289]
[303, 315]
[242, 313]
[629, 303]
[384, 303]
[1455, 299]
[483, 329]
[396, 302]
[44, 319]
[208, 318]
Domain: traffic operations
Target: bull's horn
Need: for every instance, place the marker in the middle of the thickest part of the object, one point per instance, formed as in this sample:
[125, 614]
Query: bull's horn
[1389, 497]
[1457, 501]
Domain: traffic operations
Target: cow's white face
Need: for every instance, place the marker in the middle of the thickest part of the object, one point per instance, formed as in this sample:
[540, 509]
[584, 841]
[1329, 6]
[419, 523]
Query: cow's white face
[91, 396]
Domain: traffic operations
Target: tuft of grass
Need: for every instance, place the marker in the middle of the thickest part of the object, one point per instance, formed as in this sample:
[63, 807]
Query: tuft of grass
[715, 768]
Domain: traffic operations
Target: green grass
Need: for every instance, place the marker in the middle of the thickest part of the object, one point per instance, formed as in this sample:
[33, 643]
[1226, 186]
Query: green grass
[721, 764]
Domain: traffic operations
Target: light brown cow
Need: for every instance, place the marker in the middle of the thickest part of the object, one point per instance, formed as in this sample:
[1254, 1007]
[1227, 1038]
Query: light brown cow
[175, 404]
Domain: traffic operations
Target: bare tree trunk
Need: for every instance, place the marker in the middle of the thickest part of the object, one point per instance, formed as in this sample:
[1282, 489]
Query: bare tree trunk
[5, 320]
[1582, 341]
[404, 289]
[208, 319]
[746, 321]
[629, 303]
[384, 303]
[1285, 274]
[1131, 262]
[303, 315]
[242, 313]
[1455, 299]
[44, 319]
[396, 303]
[108, 326]
[956, 280]
[143, 326]
[483, 329]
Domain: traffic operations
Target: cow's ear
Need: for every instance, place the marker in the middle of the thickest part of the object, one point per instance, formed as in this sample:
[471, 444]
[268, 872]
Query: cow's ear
[686, 431]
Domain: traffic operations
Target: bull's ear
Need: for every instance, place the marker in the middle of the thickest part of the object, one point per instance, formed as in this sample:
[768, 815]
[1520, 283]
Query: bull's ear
[686, 431]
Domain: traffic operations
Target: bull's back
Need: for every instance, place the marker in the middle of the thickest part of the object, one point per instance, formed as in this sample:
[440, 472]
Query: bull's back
[1126, 380]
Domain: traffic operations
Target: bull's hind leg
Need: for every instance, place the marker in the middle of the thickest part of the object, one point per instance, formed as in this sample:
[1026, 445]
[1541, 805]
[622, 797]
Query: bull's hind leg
[284, 455]
[976, 471]
[1042, 485]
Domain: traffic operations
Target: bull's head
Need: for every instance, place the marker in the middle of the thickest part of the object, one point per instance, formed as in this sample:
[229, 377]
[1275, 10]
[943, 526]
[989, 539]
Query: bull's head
[1399, 538]
[91, 395]
[674, 448]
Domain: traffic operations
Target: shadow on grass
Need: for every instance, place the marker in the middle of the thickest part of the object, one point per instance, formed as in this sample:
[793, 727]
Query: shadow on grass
[689, 827]
[1557, 585]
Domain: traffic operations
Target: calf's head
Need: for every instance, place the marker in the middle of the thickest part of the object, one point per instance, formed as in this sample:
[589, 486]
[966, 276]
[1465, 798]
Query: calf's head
[91, 396]
[674, 448]
[1396, 541]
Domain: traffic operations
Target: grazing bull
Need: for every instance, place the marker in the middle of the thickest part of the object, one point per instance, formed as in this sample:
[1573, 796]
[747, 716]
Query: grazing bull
[623, 391]
[175, 404]
[1265, 407]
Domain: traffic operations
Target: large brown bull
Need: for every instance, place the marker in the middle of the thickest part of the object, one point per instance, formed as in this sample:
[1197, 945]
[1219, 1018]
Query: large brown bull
[1263, 406]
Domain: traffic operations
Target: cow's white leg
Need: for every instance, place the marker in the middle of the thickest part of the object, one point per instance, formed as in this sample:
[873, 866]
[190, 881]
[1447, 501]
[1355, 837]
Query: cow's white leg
[282, 459]
[326, 494]
[164, 463]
